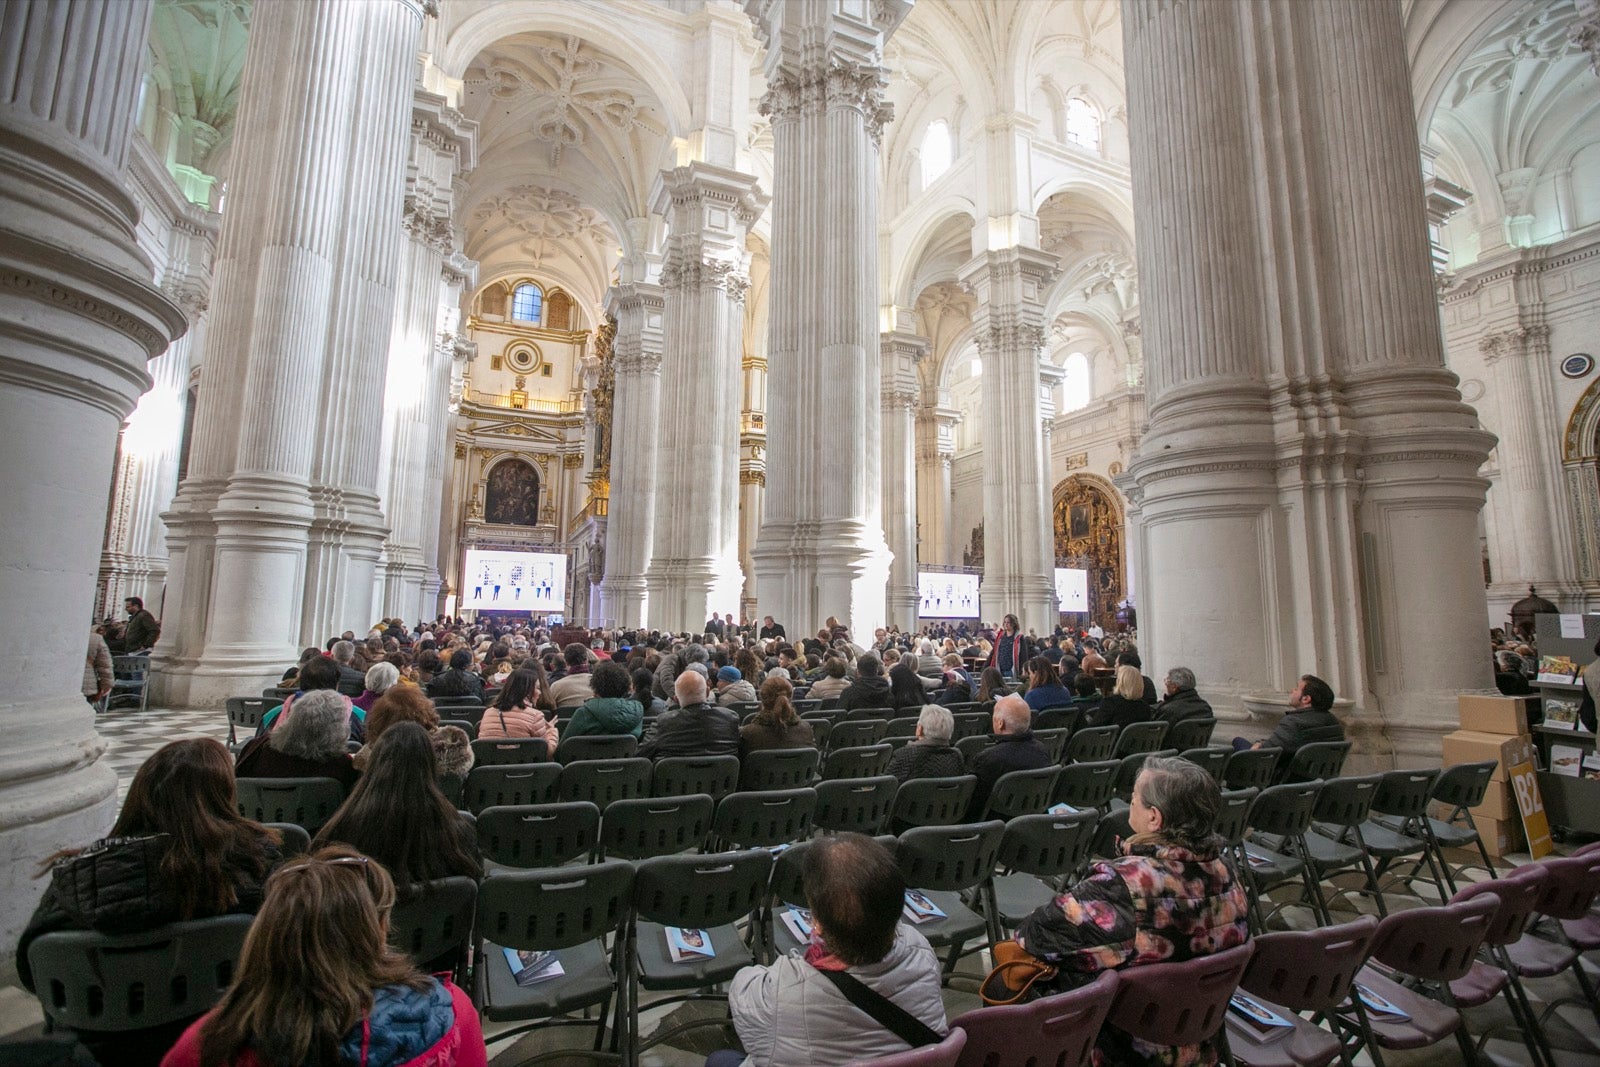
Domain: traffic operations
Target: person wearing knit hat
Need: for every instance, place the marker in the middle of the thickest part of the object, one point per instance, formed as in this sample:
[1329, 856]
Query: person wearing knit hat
[732, 688]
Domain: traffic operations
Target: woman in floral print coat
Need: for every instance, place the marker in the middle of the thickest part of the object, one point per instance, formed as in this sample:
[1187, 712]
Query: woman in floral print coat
[1170, 897]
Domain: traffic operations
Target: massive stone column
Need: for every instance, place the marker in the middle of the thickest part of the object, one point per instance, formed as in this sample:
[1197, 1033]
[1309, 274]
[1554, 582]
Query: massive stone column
[1018, 551]
[901, 352]
[1308, 484]
[416, 396]
[821, 550]
[936, 449]
[694, 564]
[79, 316]
[636, 410]
[275, 534]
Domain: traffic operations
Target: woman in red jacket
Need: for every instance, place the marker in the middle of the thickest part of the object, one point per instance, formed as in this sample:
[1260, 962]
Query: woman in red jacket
[318, 983]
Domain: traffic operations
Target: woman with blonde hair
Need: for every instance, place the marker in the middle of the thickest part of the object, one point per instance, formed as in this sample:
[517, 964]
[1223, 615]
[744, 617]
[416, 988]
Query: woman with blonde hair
[318, 983]
[1125, 704]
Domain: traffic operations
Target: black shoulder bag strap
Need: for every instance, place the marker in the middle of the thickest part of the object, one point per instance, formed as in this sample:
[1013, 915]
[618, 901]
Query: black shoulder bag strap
[889, 1015]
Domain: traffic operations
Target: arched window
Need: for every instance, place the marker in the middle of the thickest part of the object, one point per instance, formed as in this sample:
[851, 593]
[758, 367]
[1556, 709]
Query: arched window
[937, 151]
[560, 308]
[1075, 389]
[526, 303]
[512, 496]
[1083, 124]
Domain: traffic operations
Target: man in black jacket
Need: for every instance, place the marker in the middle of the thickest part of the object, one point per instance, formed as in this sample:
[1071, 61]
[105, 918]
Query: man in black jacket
[1309, 720]
[142, 631]
[870, 689]
[694, 728]
[1182, 701]
[1014, 749]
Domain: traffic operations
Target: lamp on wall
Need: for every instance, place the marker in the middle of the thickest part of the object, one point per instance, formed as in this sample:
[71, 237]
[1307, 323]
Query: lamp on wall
[519, 395]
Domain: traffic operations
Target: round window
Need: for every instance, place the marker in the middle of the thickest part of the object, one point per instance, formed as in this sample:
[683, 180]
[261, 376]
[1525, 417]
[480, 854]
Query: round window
[522, 359]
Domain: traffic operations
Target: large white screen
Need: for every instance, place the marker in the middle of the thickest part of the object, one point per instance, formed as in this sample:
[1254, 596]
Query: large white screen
[1072, 589]
[494, 579]
[947, 596]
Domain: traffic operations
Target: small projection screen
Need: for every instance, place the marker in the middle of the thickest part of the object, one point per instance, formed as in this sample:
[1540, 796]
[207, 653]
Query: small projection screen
[1072, 589]
[947, 596]
[497, 579]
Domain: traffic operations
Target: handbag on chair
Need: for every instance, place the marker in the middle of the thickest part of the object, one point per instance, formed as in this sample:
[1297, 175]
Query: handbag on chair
[1014, 977]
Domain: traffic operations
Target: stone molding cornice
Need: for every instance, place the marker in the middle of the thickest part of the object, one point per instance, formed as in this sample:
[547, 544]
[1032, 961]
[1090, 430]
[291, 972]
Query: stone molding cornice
[1523, 263]
[1522, 341]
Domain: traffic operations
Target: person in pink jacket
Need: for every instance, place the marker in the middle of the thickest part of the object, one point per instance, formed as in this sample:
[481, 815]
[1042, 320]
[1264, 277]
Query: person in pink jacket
[317, 982]
[516, 711]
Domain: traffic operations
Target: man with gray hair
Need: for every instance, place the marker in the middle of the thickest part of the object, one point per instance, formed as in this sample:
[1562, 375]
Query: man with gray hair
[694, 727]
[1014, 749]
[930, 754]
[1182, 702]
[351, 681]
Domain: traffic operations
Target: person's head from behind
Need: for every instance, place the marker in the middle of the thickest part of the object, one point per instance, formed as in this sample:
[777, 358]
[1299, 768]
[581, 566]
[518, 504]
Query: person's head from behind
[856, 892]
[835, 667]
[575, 655]
[1130, 657]
[904, 681]
[611, 680]
[1130, 683]
[936, 724]
[317, 727]
[1179, 678]
[343, 652]
[1312, 692]
[992, 684]
[461, 659]
[315, 954]
[777, 707]
[1012, 715]
[1042, 672]
[690, 688]
[380, 676]
[1176, 801]
[521, 688]
[320, 673]
[644, 681]
[1084, 685]
[400, 703]
[869, 667]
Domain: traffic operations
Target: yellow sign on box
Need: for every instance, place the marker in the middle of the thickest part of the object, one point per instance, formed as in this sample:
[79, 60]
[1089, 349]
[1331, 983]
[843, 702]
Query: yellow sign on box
[1534, 822]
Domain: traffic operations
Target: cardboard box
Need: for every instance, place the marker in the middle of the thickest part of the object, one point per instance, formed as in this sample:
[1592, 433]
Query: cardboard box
[1507, 716]
[1470, 746]
[1498, 803]
[1500, 836]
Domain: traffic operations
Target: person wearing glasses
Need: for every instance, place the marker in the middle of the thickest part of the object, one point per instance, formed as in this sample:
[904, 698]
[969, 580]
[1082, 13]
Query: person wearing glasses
[318, 982]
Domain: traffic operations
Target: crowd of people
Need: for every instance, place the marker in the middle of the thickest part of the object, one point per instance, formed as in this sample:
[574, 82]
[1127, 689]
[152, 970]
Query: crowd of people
[317, 983]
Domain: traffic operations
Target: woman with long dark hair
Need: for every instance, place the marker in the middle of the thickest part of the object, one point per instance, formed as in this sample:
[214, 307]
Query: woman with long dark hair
[991, 687]
[521, 710]
[178, 850]
[318, 983]
[906, 690]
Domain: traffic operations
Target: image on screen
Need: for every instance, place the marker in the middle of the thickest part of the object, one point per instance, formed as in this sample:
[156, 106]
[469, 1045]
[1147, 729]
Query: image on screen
[495, 579]
[1072, 589]
[947, 596]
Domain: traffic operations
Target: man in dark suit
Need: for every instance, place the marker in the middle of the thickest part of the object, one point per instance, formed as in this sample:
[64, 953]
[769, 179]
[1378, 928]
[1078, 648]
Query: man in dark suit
[1014, 749]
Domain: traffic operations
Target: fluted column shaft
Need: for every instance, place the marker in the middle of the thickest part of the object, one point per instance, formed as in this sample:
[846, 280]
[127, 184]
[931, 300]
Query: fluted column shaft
[694, 564]
[1018, 557]
[900, 353]
[1521, 497]
[636, 410]
[79, 316]
[275, 535]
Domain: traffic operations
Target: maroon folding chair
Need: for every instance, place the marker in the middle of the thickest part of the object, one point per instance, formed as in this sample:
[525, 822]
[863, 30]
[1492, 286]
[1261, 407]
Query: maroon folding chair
[1436, 945]
[1296, 971]
[944, 1054]
[1584, 933]
[1519, 893]
[1569, 893]
[1055, 1031]
[1179, 1005]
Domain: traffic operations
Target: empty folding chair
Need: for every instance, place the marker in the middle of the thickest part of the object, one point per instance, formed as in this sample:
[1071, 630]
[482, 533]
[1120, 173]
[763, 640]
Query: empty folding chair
[865, 761]
[1038, 854]
[1060, 717]
[1053, 1031]
[565, 911]
[1128, 768]
[1233, 820]
[1518, 894]
[860, 805]
[1087, 785]
[1213, 760]
[1139, 737]
[946, 1053]
[504, 751]
[538, 835]
[432, 923]
[1021, 793]
[940, 863]
[527, 783]
[1251, 768]
[1459, 788]
[597, 746]
[296, 842]
[1571, 886]
[655, 826]
[972, 724]
[1403, 796]
[130, 681]
[785, 892]
[603, 782]
[933, 801]
[1190, 733]
[857, 733]
[1335, 843]
[763, 819]
[1435, 945]
[962, 706]
[1054, 742]
[708, 893]
[1320, 759]
[244, 716]
[306, 802]
[864, 714]
[1282, 816]
[1299, 971]
[778, 768]
[1092, 744]
[675, 776]
[1176, 1005]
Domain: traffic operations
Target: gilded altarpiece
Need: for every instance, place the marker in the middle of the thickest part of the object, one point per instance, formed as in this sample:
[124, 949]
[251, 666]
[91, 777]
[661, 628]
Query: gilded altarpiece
[1088, 529]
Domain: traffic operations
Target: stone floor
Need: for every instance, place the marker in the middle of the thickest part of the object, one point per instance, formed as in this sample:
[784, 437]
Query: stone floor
[132, 735]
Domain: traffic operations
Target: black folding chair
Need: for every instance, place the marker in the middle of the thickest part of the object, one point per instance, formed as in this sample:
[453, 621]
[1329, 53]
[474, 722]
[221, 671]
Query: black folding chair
[244, 715]
[1060, 717]
[1021, 793]
[677, 776]
[1138, 738]
[859, 805]
[1459, 788]
[867, 761]
[505, 751]
[1214, 760]
[514, 784]
[306, 802]
[763, 819]
[857, 733]
[296, 842]
[1054, 742]
[934, 801]
[597, 746]
[1093, 744]
[602, 782]
[940, 863]
[1283, 814]
[1087, 785]
[1251, 768]
[432, 923]
[466, 726]
[902, 727]
[1038, 853]
[1336, 843]
[973, 724]
[778, 768]
[1190, 733]
[655, 826]
[538, 835]
[1318, 760]
[969, 747]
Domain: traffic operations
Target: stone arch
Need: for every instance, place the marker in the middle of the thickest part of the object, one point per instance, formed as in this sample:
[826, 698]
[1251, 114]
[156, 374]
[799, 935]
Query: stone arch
[1580, 463]
[511, 493]
[1089, 528]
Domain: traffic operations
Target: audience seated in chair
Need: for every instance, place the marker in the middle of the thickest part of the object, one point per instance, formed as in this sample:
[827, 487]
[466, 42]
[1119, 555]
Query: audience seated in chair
[1309, 719]
[870, 689]
[310, 744]
[179, 850]
[459, 680]
[930, 753]
[380, 676]
[516, 712]
[318, 983]
[1044, 686]
[1170, 897]
[1125, 705]
[452, 748]
[612, 710]
[574, 686]
[1182, 702]
[317, 674]
[694, 727]
[1014, 749]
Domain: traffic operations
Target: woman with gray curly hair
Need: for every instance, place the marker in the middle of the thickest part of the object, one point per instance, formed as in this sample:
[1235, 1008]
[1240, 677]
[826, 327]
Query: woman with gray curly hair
[310, 743]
